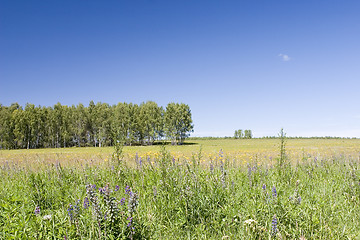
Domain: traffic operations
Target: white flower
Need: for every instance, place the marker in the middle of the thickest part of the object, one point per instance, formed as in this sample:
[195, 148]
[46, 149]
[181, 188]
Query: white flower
[47, 217]
[249, 221]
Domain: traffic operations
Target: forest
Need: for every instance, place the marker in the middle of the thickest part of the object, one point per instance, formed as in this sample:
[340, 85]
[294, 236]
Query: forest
[96, 125]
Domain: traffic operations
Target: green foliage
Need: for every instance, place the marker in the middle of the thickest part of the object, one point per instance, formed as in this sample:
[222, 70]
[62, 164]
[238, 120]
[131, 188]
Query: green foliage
[173, 199]
[282, 155]
[243, 134]
[97, 125]
[178, 122]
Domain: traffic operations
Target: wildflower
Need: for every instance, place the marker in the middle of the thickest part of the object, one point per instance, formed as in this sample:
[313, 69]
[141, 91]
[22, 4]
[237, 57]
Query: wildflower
[274, 223]
[127, 189]
[249, 221]
[37, 210]
[117, 188]
[70, 212]
[274, 191]
[133, 202]
[249, 171]
[47, 217]
[130, 221]
[264, 187]
[122, 201]
[86, 203]
[221, 154]
[94, 201]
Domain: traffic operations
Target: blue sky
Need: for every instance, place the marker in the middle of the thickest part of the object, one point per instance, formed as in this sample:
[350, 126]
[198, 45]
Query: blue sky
[259, 65]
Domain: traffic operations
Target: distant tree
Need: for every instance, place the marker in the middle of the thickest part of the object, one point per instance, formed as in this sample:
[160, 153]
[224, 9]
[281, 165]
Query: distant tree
[185, 123]
[151, 116]
[178, 122]
[78, 124]
[236, 135]
[7, 126]
[120, 123]
[247, 134]
[100, 123]
[240, 133]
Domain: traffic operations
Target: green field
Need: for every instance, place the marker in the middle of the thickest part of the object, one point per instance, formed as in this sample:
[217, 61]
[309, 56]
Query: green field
[206, 189]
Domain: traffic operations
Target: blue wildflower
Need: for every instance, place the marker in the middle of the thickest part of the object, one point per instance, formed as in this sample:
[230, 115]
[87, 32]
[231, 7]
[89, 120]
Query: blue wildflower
[86, 203]
[70, 212]
[127, 189]
[274, 191]
[274, 223]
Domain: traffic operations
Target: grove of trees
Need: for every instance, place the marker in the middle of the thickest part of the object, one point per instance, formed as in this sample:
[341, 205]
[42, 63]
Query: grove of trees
[243, 134]
[96, 125]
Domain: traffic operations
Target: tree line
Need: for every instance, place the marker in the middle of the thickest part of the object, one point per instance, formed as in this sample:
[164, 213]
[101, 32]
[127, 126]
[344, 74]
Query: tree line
[96, 125]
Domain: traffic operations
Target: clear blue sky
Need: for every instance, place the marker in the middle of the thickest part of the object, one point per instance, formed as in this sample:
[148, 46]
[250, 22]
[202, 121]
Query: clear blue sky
[258, 65]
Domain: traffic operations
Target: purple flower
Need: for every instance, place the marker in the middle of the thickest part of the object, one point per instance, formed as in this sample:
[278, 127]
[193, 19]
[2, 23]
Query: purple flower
[122, 201]
[117, 188]
[37, 210]
[221, 153]
[130, 221]
[274, 223]
[127, 189]
[70, 212]
[274, 191]
[86, 203]
[264, 187]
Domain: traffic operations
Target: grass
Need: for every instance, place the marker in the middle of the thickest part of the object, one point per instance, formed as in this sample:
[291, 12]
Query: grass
[180, 192]
[247, 149]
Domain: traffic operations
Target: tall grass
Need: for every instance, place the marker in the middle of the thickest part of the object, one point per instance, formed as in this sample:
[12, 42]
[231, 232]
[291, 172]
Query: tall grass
[166, 198]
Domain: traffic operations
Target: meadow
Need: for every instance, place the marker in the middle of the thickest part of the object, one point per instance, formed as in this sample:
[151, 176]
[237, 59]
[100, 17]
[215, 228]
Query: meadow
[205, 189]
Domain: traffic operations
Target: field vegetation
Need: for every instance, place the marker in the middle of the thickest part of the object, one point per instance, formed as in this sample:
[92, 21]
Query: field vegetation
[205, 189]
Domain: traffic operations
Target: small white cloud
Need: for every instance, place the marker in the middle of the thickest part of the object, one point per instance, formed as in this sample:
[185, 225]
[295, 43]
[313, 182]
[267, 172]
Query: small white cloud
[284, 57]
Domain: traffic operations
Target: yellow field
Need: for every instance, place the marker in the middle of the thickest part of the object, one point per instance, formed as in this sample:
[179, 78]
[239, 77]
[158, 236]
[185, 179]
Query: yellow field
[240, 151]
